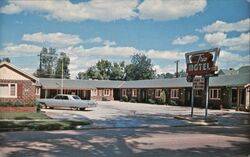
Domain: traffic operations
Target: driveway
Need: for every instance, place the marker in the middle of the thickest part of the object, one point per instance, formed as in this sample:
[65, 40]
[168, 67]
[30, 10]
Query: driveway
[115, 114]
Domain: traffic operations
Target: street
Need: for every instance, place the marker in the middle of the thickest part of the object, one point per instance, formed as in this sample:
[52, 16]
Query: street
[205, 141]
[131, 129]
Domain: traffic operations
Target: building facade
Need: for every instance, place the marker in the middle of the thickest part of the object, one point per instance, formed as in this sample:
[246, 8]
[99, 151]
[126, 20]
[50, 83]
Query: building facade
[17, 85]
[225, 91]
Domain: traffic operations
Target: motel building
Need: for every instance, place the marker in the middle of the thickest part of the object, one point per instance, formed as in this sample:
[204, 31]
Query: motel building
[230, 89]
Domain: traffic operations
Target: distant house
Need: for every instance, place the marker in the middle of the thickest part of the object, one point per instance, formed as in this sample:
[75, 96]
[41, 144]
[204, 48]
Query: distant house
[17, 85]
[231, 71]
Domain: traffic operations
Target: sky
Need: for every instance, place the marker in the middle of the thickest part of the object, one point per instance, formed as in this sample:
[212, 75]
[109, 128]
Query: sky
[91, 30]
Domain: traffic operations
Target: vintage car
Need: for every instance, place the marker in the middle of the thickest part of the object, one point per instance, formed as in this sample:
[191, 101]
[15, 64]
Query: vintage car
[67, 101]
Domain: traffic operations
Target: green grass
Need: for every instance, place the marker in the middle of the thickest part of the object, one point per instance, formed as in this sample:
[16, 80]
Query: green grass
[23, 115]
[12, 121]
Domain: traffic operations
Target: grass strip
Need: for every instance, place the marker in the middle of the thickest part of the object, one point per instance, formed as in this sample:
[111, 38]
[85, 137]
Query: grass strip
[41, 125]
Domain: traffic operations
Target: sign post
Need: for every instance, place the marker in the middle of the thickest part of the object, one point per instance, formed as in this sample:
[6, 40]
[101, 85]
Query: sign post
[201, 63]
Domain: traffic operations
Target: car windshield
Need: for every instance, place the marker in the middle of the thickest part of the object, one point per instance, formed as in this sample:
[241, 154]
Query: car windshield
[76, 97]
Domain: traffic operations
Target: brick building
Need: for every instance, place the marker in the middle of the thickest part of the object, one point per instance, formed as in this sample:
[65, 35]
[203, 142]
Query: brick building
[227, 90]
[17, 85]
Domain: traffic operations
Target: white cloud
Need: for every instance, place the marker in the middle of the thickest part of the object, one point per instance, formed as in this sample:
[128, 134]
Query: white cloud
[169, 55]
[99, 40]
[188, 39]
[10, 9]
[21, 49]
[100, 51]
[108, 10]
[228, 60]
[240, 43]
[232, 57]
[56, 39]
[170, 10]
[221, 26]
[94, 40]
[64, 10]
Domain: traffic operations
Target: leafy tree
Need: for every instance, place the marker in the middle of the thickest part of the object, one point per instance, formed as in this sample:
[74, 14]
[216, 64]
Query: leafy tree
[104, 69]
[47, 62]
[117, 71]
[169, 75]
[140, 68]
[182, 73]
[164, 75]
[58, 70]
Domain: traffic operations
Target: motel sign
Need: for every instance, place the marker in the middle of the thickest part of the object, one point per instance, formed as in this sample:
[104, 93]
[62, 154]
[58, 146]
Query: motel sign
[202, 64]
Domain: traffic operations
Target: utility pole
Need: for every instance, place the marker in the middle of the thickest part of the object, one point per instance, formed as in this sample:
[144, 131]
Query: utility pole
[40, 66]
[177, 73]
[62, 77]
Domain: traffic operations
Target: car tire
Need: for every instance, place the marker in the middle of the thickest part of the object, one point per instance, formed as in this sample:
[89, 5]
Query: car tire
[44, 106]
[82, 109]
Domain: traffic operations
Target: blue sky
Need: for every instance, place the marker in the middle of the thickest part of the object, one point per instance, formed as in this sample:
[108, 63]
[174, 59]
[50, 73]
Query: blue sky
[116, 29]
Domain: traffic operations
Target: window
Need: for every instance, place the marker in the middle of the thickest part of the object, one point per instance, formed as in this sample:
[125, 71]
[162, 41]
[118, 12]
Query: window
[134, 92]
[76, 97]
[174, 93]
[100, 92]
[106, 92]
[93, 92]
[58, 97]
[124, 92]
[157, 93]
[214, 94]
[65, 98]
[37, 91]
[8, 90]
[198, 92]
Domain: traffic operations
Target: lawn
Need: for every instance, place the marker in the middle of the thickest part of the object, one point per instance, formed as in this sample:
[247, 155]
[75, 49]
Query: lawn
[23, 115]
[12, 121]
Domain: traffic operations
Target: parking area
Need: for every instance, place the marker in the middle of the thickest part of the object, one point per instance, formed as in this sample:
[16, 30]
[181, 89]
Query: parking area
[115, 114]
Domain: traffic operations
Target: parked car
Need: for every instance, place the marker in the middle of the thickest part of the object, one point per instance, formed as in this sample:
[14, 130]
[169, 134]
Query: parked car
[68, 101]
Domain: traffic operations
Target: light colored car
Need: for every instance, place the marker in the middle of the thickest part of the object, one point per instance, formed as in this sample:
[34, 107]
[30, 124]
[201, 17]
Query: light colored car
[67, 101]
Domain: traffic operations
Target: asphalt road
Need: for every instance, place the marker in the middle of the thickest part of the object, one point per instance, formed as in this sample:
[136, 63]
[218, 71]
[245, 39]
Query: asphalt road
[131, 130]
[200, 141]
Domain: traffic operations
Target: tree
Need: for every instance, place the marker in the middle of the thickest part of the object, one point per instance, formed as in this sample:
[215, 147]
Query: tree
[140, 68]
[47, 63]
[58, 70]
[117, 71]
[104, 69]
[163, 76]
[169, 75]
[182, 73]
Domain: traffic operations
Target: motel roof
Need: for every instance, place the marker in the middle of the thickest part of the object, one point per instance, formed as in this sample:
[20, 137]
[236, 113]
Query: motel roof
[221, 80]
[51, 83]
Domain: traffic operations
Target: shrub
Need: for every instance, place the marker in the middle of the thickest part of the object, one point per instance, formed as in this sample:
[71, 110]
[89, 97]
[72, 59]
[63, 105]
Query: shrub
[16, 104]
[133, 100]
[159, 101]
[214, 106]
[173, 103]
[125, 98]
[151, 101]
[104, 99]
[162, 97]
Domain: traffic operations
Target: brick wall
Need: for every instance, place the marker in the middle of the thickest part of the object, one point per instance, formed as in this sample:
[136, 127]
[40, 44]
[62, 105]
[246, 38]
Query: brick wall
[25, 92]
[100, 95]
[17, 109]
